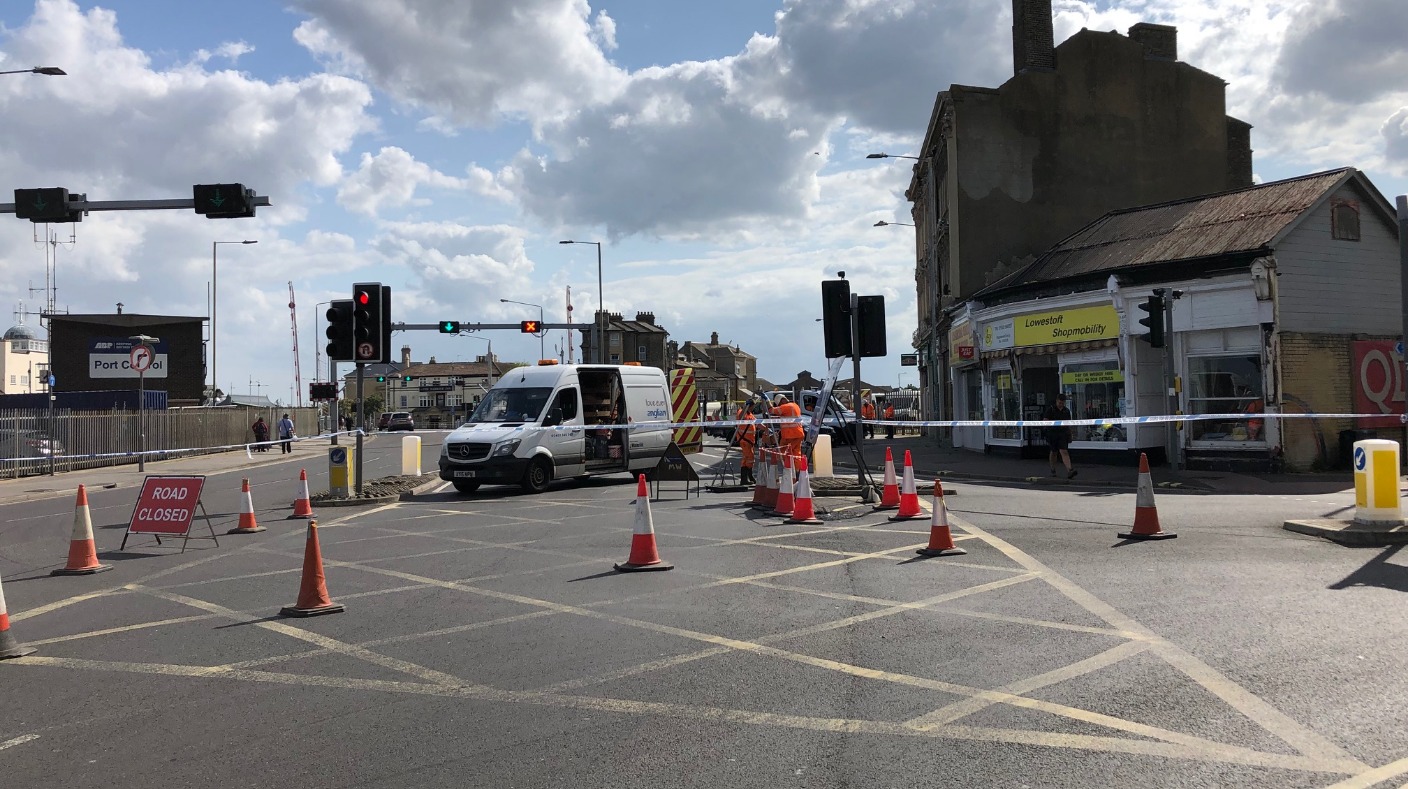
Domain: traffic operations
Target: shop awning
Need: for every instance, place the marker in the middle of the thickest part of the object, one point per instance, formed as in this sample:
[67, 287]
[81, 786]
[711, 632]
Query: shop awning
[1059, 347]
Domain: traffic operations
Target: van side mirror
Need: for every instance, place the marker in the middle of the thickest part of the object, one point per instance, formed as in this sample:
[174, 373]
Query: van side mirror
[553, 418]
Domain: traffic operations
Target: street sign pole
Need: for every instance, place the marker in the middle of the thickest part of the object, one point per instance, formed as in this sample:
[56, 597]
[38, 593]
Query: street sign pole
[361, 421]
[862, 472]
[141, 420]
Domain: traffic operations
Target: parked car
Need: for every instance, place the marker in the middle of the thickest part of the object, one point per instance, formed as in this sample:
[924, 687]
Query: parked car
[384, 421]
[401, 420]
[27, 449]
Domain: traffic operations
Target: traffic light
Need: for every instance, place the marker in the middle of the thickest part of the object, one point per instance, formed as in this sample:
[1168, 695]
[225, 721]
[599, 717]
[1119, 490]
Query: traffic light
[341, 345]
[449, 327]
[223, 201]
[1154, 305]
[44, 205]
[528, 327]
[381, 379]
[836, 317]
[406, 378]
[322, 391]
[870, 325]
[369, 323]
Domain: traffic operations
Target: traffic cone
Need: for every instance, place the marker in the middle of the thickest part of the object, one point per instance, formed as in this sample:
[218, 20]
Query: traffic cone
[786, 489]
[890, 496]
[1146, 515]
[643, 556]
[303, 505]
[940, 538]
[82, 552]
[764, 472]
[760, 480]
[313, 597]
[774, 481]
[247, 524]
[9, 647]
[909, 494]
[802, 509]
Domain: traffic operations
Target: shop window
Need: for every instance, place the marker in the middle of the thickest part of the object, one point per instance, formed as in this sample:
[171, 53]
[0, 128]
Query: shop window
[1095, 391]
[1225, 385]
[973, 391]
[1344, 220]
[1006, 403]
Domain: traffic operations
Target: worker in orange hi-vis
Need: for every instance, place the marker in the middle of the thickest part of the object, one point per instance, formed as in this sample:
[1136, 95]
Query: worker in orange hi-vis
[867, 411]
[747, 437]
[792, 433]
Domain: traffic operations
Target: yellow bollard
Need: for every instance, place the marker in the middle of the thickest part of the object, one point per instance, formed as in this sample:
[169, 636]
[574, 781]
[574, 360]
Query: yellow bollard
[821, 457]
[410, 456]
[1376, 495]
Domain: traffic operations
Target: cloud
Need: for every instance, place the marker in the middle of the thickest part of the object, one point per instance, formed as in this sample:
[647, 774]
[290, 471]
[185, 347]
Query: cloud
[1347, 51]
[390, 178]
[472, 61]
[1395, 133]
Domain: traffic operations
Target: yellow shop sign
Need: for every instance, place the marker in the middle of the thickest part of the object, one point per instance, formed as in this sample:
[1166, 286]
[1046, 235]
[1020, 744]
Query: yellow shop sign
[1092, 377]
[1075, 325]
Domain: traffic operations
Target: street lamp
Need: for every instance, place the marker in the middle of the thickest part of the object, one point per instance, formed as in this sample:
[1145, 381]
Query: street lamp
[600, 307]
[541, 331]
[48, 71]
[214, 308]
[883, 223]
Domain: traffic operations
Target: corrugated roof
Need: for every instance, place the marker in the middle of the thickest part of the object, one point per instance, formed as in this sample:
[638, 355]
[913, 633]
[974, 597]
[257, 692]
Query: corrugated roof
[1202, 227]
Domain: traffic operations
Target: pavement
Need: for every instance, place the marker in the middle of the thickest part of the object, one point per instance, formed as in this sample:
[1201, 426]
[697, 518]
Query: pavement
[932, 459]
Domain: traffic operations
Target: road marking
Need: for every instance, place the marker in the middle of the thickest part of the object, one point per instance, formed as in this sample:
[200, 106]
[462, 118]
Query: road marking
[20, 740]
[1377, 775]
[125, 629]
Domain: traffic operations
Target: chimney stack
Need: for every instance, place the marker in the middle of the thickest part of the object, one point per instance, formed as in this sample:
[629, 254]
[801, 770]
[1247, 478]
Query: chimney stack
[1160, 41]
[405, 356]
[714, 338]
[1033, 39]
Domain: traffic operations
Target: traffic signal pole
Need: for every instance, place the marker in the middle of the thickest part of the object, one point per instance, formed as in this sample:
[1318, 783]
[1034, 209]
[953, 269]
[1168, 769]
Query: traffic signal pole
[361, 397]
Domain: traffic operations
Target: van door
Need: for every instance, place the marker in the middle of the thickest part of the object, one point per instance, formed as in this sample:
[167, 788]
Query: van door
[563, 435]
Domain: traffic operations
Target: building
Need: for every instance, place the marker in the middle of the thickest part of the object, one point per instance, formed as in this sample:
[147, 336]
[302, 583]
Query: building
[91, 352]
[641, 340]
[738, 368]
[1103, 121]
[1288, 303]
[24, 362]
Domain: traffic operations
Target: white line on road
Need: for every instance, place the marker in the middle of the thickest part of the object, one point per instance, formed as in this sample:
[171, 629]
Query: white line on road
[20, 740]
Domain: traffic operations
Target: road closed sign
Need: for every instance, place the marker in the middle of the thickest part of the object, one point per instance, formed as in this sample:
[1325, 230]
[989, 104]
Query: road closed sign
[166, 506]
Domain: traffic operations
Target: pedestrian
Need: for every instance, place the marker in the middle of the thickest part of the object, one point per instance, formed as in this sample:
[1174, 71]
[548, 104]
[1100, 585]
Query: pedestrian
[867, 412]
[889, 419]
[349, 422]
[286, 435]
[791, 435]
[261, 435]
[1058, 437]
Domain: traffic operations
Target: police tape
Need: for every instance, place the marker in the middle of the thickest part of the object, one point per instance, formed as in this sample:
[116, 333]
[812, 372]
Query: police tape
[44, 459]
[1092, 422]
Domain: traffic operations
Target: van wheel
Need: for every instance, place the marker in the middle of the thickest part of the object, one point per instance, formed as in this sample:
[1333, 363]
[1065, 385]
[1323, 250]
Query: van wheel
[465, 486]
[537, 477]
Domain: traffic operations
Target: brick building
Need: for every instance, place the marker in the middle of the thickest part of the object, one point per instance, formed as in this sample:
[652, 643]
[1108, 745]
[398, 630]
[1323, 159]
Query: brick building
[640, 340]
[1101, 122]
[737, 369]
[1290, 303]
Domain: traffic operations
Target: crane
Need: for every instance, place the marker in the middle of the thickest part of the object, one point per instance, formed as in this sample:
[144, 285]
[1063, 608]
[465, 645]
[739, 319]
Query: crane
[297, 376]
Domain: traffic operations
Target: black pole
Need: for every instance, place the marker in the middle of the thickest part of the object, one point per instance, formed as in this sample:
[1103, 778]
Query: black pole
[1403, 284]
[862, 473]
[361, 396]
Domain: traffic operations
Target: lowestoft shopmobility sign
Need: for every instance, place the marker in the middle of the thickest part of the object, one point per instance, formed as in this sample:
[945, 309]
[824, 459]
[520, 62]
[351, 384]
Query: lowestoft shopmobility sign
[111, 357]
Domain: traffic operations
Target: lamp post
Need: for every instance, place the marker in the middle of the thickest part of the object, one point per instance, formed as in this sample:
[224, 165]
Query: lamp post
[142, 345]
[48, 71]
[541, 331]
[883, 223]
[597, 332]
[215, 307]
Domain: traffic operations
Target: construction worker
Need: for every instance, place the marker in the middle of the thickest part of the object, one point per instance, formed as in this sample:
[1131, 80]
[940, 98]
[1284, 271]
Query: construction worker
[747, 437]
[889, 417]
[867, 412]
[791, 434]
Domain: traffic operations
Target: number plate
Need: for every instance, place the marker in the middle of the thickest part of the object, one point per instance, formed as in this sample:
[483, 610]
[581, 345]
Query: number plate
[463, 474]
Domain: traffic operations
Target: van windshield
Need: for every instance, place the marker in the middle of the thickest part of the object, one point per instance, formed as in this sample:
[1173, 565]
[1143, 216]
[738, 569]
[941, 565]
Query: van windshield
[512, 405]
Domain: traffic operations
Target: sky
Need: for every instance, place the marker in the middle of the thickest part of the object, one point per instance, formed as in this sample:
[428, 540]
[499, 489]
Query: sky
[446, 147]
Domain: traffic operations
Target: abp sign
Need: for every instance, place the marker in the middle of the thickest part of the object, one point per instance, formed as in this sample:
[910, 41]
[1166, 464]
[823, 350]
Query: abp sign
[1378, 382]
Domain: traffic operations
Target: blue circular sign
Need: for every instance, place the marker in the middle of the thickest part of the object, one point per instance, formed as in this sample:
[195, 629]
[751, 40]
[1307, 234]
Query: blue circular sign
[337, 455]
[1360, 458]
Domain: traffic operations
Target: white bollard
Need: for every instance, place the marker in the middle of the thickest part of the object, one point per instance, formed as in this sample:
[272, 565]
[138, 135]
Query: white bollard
[821, 457]
[410, 456]
[1376, 496]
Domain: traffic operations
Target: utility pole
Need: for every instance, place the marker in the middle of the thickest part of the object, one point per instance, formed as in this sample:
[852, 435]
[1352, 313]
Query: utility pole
[1403, 291]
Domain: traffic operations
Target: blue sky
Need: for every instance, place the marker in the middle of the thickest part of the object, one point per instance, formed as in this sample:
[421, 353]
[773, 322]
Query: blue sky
[444, 147]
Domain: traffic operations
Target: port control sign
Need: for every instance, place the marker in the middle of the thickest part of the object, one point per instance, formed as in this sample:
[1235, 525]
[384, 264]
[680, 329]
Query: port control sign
[166, 507]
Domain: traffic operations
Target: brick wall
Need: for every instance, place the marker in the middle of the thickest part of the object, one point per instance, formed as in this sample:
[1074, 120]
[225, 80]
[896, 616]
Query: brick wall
[1318, 376]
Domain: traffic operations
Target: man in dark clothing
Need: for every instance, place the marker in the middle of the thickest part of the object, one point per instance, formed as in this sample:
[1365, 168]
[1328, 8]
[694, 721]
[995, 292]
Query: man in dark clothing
[1059, 438]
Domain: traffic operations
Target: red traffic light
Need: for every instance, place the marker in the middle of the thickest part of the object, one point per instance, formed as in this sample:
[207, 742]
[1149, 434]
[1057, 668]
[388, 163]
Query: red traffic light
[363, 298]
[528, 327]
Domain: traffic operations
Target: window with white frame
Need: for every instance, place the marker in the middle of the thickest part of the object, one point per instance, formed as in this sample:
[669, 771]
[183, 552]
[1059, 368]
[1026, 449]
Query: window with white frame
[1227, 384]
[425, 401]
[453, 400]
[641, 354]
[1006, 403]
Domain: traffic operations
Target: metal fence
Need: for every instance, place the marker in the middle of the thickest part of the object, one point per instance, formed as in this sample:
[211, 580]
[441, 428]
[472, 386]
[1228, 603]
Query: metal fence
[34, 441]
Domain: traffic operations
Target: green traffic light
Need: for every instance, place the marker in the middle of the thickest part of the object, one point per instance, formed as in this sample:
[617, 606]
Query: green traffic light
[381, 379]
[449, 327]
[407, 379]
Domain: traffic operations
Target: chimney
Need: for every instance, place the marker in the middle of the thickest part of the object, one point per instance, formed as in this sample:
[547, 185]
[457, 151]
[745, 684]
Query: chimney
[405, 356]
[714, 338]
[645, 317]
[1160, 41]
[1033, 41]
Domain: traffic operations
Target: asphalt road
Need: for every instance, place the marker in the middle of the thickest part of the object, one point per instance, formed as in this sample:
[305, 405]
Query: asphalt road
[487, 642]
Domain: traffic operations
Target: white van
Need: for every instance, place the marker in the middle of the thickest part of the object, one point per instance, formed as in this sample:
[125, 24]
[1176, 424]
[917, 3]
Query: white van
[535, 425]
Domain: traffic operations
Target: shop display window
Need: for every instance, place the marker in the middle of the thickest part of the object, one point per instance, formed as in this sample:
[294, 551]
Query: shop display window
[1006, 403]
[973, 391]
[1095, 391]
[1226, 385]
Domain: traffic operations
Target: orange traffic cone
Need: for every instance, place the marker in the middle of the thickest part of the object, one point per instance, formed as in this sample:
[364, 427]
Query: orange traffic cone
[764, 471]
[1146, 515]
[643, 556]
[760, 481]
[890, 495]
[802, 509]
[303, 505]
[247, 524]
[9, 647]
[82, 552]
[786, 489]
[774, 482]
[313, 597]
[940, 537]
[909, 494]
